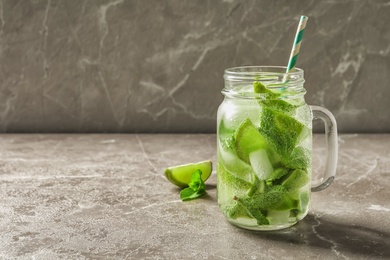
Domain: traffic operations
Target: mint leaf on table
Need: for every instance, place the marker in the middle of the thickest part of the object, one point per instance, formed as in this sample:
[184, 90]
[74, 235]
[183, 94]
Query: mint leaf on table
[195, 189]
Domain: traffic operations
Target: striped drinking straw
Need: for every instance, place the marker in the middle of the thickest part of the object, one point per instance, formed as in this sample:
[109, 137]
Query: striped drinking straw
[297, 43]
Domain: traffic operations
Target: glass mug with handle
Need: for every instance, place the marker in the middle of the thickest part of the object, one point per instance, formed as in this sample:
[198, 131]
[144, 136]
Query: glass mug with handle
[264, 137]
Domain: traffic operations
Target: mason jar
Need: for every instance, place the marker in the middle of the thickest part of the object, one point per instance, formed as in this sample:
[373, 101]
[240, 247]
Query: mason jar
[264, 132]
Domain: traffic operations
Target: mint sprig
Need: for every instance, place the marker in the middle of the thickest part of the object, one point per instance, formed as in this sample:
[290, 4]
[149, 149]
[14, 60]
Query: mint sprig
[195, 189]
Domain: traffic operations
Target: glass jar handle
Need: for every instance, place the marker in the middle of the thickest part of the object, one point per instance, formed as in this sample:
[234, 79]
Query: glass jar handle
[332, 147]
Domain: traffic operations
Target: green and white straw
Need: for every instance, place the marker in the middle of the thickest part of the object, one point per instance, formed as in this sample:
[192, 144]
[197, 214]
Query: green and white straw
[297, 43]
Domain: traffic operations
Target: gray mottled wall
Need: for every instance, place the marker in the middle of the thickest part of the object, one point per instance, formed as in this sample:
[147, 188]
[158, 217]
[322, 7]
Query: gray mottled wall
[157, 66]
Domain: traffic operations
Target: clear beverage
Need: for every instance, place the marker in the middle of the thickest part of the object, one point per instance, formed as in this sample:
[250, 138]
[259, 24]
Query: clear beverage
[264, 131]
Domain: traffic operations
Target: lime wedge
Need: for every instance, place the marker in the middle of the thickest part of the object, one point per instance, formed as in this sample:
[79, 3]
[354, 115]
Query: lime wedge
[180, 175]
[248, 139]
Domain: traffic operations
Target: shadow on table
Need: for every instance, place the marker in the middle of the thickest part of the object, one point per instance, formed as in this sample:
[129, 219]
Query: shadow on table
[323, 233]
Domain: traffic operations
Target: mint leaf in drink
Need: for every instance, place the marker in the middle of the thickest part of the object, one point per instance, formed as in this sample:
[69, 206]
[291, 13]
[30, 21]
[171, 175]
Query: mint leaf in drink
[258, 215]
[231, 180]
[238, 211]
[195, 189]
[225, 132]
[278, 173]
[298, 159]
[258, 87]
[280, 130]
[279, 105]
[252, 209]
[277, 198]
[296, 180]
[258, 187]
[273, 99]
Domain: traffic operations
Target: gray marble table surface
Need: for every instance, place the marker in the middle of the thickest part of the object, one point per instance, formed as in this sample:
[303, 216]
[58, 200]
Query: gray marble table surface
[99, 196]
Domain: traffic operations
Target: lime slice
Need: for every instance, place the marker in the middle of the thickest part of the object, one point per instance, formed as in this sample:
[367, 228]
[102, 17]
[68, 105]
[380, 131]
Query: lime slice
[181, 175]
[248, 139]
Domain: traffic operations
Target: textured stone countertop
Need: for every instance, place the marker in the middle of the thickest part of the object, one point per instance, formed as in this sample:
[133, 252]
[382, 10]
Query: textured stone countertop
[104, 197]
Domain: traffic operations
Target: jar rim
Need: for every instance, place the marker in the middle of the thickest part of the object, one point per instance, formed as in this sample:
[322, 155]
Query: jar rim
[288, 84]
[248, 72]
